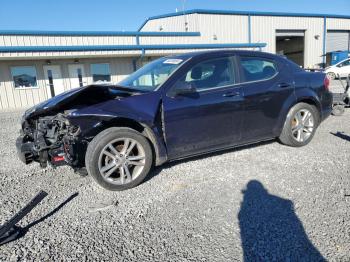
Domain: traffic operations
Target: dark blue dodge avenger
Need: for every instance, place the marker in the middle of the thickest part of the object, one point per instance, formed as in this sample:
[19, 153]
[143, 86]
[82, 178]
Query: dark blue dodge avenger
[172, 108]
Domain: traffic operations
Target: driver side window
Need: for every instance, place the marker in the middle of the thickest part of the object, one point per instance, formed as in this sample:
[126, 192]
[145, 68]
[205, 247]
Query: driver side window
[211, 73]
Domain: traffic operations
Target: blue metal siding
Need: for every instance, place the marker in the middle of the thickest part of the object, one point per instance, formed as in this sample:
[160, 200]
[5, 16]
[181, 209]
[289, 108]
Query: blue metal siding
[324, 40]
[8, 49]
[95, 33]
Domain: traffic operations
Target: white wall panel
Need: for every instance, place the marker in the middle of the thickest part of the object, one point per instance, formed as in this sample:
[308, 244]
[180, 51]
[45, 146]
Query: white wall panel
[227, 28]
[11, 98]
[174, 24]
[170, 40]
[65, 54]
[20, 40]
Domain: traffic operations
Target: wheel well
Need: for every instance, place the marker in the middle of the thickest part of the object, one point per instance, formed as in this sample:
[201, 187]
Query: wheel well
[145, 131]
[283, 116]
[312, 102]
[125, 122]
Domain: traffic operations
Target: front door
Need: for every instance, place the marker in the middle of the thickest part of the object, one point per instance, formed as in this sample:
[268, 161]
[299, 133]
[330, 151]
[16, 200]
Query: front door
[209, 118]
[76, 75]
[53, 80]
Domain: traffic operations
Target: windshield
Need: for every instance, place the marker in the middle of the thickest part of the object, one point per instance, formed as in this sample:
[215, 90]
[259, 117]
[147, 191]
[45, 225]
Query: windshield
[152, 75]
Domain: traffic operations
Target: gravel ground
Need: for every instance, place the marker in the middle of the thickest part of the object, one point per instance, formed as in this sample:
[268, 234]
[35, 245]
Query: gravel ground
[263, 202]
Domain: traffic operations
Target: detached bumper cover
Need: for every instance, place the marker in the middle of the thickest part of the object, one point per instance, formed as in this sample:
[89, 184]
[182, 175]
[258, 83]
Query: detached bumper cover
[24, 150]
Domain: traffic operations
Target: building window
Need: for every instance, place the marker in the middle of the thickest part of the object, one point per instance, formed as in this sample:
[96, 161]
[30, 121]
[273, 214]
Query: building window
[100, 73]
[24, 76]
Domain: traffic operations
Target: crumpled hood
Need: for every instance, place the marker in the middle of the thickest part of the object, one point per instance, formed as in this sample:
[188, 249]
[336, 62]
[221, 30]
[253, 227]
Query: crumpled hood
[78, 98]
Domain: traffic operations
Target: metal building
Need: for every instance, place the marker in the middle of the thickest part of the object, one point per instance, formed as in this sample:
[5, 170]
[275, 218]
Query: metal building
[36, 65]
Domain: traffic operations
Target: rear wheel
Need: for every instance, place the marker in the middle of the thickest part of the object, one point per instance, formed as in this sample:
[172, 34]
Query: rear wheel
[119, 158]
[300, 125]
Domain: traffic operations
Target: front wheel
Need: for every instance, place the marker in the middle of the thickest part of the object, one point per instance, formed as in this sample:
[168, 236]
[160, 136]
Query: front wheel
[300, 125]
[331, 75]
[119, 158]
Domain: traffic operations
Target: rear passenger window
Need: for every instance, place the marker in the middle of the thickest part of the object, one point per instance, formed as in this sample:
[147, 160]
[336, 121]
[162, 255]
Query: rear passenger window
[257, 68]
[211, 73]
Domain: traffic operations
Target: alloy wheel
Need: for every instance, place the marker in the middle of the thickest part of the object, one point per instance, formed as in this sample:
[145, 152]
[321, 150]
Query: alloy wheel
[302, 125]
[121, 161]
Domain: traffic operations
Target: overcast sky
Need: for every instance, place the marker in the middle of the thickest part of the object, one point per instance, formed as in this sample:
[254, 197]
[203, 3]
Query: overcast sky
[117, 15]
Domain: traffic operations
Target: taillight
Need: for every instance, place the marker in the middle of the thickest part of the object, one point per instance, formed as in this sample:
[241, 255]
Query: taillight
[326, 83]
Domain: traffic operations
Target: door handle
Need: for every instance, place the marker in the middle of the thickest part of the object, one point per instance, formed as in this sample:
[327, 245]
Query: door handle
[284, 85]
[231, 94]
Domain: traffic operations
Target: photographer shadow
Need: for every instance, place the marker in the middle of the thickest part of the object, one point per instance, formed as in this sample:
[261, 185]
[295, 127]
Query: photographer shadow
[270, 229]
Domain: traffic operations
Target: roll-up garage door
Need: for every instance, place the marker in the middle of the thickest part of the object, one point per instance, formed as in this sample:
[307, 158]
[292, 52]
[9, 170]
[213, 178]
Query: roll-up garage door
[291, 43]
[338, 41]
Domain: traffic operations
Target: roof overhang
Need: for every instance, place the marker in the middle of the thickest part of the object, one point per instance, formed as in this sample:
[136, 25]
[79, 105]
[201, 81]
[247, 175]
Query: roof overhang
[19, 49]
[94, 33]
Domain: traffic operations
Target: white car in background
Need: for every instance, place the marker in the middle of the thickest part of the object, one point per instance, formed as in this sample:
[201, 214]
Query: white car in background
[341, 69]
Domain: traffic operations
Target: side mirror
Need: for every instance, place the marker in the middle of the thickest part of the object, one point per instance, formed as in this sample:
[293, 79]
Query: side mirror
[183, 88]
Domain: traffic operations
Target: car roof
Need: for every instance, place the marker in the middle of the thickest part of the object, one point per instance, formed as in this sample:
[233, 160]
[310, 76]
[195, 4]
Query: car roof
[202, 54]
[223, 51]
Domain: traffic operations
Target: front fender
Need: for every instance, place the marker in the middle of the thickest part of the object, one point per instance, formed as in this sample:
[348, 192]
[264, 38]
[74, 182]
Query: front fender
[92, 124]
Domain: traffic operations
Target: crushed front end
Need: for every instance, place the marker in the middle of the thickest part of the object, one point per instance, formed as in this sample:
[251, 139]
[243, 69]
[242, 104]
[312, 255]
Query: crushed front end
[48, 139]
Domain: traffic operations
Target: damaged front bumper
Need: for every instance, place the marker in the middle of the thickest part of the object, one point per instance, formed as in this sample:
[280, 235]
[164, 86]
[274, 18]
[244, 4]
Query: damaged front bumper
[48, 140]
[27, 153]
[25, 150]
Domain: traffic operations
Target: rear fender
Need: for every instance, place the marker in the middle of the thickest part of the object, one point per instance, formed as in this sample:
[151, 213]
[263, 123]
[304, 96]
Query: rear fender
[289, 102]
[305, 95]
[309, 96]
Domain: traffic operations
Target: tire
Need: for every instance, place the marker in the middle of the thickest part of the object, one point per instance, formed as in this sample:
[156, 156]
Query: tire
[99, 157]
[290, 134]
[331, 75]
[338, 110]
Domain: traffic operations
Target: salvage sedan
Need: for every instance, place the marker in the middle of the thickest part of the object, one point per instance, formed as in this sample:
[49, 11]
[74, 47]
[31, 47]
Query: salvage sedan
[173, 108]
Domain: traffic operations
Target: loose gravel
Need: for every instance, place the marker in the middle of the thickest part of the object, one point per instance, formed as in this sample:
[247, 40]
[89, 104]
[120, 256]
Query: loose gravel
[263, 202]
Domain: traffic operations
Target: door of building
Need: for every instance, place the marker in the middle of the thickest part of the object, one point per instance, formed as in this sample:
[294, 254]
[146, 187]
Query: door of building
[53, 80]
[77, 75]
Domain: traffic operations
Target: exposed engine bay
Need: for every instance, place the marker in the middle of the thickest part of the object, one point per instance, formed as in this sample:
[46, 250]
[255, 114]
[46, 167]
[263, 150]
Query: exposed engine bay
[50, 139]
[58, 131]
[48, 136]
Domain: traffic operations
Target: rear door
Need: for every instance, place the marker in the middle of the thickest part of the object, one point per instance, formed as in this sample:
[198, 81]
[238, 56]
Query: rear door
[266, 84]
[209, 118]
